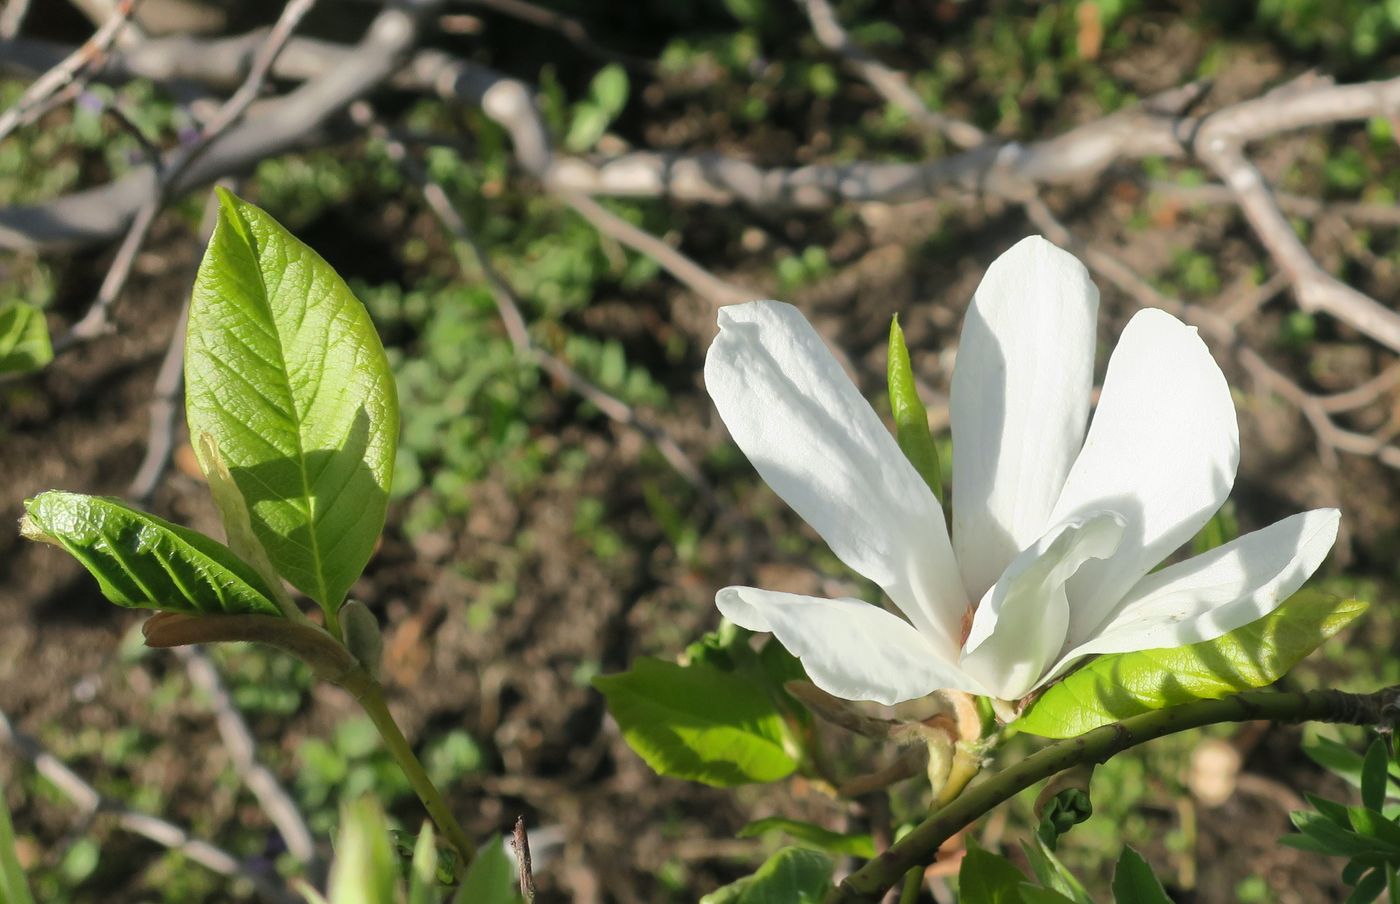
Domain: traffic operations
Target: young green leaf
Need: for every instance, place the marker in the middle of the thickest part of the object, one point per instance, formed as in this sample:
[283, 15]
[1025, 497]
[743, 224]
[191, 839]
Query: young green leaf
[1345, 763]
[699, 723]
[14, 888]
[1135, 883]
[1115, 687]
[791, 876]
[366, 870]
[287, 377]
[814, 836]
[491, 877]
[910, 418]
[1375, 769]
[24, 339]
[1053, 874]
[422, 873]
[143, 562]
[988, 878]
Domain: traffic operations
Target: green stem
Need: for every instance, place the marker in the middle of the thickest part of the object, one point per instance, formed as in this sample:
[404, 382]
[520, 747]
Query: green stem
[921, 845]
[372, 699]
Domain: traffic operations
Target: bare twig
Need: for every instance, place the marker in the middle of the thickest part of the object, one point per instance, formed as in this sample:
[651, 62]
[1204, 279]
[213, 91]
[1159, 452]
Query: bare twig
[91, 802]
[699, 280]
[571, 28]
[1298, 205]
[520, 843]
[95, 322]
[891, 85]
[1318, 411]
[68, 70]
[165, 412]
[514, 321]
[12, 18]
[242, 748]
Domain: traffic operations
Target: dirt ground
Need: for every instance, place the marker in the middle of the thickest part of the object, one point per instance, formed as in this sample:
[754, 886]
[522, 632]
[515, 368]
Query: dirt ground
[606, 828]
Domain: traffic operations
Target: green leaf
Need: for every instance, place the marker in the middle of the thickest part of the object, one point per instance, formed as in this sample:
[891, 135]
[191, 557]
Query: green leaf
[1112, 688]
[365, 870]
[699, 723]
[910, 417]
[609, 89]
[287, 377]
[24, 339]
[1053, 874]
[791, 876]
[823, 839]
[1344, 762]
[1375, 775]
[143, 562]
[14, 889]
[1033, 894]
[1368, 889]
[988, 878]
[589, 123]
[422, 874]
[491, 878]
[1135, 883]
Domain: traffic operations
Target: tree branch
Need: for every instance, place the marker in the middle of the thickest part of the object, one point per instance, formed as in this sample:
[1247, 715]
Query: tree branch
[921, 845]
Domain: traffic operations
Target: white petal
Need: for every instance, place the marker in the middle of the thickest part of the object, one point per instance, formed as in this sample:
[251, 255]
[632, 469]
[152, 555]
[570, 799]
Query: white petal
[822, 448]
[1162, 451]
[1019, 628]
[1020, 398]
[1217, 591]
[851, 649]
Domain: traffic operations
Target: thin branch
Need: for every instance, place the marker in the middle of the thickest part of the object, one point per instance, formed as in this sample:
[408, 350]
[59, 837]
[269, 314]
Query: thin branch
[891, 85]
[921, 845]
[165, 412]
[91, 802]
[513, 320]
[571, 28]
[68, 70]
[520, 843]
[238, 740]
[96, 321]
[1297, 205]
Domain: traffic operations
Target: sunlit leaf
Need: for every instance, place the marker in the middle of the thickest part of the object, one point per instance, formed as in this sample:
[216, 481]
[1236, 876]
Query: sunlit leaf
[491, 878]
[697, 722]
[143, 562]
[1115, 687]
[989, 878]
[287, 377]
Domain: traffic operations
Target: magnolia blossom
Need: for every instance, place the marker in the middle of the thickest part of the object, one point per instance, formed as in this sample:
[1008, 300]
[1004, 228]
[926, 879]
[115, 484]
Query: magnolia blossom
[1056, 529]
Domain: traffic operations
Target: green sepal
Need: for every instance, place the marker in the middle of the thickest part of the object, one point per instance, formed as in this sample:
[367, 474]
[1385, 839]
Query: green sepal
[910, 417]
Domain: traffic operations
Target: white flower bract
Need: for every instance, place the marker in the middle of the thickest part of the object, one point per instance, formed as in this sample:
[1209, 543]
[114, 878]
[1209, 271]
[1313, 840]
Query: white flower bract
[1055, 528]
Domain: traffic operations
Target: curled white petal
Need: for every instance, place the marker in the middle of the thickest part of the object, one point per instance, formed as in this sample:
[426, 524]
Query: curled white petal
[1019, 627]
[821, 447]
[1019, 402]
[1217, 591]
[1162, 450]
[850, 649]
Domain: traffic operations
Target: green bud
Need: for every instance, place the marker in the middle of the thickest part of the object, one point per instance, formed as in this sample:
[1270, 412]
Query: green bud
[362, 637]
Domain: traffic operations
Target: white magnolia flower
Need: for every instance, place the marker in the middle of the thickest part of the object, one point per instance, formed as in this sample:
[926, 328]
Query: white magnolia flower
[1055, 530]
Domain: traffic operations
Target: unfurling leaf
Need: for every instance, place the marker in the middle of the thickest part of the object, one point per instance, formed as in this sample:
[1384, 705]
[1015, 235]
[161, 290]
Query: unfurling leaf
[699, 723]
[143, 562]
[1112, 688]
[288, 379]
